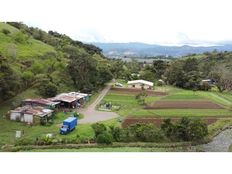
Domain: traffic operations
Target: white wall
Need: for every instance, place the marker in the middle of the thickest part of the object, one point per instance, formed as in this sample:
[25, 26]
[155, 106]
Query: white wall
[28, 118]
[14, 115]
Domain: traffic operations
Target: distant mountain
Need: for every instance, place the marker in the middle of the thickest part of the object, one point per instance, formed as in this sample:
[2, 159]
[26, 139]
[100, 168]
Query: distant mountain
[117, 50]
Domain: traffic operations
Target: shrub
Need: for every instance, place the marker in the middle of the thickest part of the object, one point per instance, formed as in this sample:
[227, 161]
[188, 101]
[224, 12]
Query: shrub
[143, 133]
[5, 31]
[185, 130]
[116, 133]
[141, 97]
[198, 130]
[98, 128]
[24, 141]
[104, 138]
[20, 38]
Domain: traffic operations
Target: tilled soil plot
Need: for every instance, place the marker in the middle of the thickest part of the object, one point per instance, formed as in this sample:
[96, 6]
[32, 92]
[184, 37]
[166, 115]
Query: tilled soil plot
[136, 91]
[183, 105]
[158, 121]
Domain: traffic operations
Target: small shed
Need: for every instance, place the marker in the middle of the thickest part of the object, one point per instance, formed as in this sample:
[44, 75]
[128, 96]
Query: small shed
[32, 115]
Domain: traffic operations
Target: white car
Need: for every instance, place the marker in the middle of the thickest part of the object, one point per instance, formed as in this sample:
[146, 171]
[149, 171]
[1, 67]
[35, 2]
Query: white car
[118, 85]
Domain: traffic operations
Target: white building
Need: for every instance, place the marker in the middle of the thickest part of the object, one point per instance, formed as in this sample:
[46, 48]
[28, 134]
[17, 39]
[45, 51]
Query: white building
[140, 84]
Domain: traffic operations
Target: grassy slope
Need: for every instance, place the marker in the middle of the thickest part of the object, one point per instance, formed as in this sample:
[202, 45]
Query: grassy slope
[31, 49]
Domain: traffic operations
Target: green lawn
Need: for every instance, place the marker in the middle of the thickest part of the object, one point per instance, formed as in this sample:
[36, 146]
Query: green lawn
[8, 128]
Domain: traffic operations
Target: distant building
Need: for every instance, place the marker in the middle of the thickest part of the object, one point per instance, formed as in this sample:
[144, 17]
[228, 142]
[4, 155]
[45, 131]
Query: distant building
[140, 84]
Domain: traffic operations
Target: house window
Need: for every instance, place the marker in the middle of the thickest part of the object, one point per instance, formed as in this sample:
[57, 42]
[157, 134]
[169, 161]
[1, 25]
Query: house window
[133, 86]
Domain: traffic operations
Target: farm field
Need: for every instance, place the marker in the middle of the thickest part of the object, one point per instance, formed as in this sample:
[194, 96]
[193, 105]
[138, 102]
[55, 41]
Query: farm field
[181, 103]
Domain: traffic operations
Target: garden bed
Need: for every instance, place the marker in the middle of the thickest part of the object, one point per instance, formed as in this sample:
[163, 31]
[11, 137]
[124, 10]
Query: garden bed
[183, 105]
[158, 121]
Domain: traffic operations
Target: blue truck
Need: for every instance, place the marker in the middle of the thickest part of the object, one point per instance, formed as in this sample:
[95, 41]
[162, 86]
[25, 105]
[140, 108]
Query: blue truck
[68, 125]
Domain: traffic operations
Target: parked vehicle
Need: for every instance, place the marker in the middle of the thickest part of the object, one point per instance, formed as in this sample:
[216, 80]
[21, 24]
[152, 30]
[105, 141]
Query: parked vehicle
[68, 125]
[118, 85]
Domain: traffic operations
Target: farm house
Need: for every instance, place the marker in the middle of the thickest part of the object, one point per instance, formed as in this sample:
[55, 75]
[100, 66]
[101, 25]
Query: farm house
[32, 115]
[140, 84]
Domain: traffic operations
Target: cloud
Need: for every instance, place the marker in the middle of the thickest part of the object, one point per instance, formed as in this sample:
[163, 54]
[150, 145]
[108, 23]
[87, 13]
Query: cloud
[159, 21]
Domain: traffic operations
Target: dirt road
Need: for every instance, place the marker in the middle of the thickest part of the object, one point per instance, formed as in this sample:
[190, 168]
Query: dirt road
[91, 115]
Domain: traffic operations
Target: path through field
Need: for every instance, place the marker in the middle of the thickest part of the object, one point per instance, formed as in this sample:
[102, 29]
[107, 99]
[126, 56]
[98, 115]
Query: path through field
[91, 115]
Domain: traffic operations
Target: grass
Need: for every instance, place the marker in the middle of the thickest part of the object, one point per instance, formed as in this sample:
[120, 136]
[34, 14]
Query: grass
[31, 49]
[9, 128]
[110, 149]
[187, 95]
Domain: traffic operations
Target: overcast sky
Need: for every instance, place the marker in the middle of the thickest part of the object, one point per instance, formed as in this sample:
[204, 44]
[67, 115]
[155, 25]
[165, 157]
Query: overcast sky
[149, 21]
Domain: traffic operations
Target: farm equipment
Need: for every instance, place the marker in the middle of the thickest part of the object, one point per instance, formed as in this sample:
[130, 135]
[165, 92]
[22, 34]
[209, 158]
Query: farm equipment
[68, 125]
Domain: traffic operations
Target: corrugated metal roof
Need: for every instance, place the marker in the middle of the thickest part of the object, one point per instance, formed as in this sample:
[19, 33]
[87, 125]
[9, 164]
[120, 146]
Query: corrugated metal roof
[69, 97]
[39, 111]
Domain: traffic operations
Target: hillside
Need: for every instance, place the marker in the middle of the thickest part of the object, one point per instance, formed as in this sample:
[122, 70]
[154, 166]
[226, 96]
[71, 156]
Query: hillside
[47, 63]
[142, 50]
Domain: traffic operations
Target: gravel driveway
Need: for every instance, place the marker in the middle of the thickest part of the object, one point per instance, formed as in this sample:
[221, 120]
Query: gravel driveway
[91, 115]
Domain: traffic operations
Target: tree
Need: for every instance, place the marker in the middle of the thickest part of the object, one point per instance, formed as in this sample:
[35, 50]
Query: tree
[98, 128]
[82, 69]
[159, 67]
[116, 133]
[27, 77]
[222, 77]
[198, 130]
[184, 74]
[9, 80]
[167, 127]
[48, 89]
[147, 74]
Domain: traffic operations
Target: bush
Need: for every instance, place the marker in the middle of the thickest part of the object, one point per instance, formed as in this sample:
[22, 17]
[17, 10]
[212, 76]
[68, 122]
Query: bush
[98, 128]
[116, 133]
[24, 141]
[20, 38]
[198, 130]
[185, 130]
[5, 31]
[104, 138]
[141, 97]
